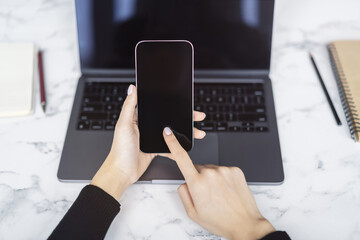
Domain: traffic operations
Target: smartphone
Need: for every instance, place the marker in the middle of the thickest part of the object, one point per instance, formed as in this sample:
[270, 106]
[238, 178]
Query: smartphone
[165, 83]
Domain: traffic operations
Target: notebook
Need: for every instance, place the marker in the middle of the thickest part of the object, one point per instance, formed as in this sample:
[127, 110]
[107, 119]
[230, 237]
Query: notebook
[345, 58]
[17, 62]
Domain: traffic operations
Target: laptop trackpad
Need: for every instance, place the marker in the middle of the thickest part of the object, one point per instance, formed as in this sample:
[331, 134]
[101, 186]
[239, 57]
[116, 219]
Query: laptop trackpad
[206, 151]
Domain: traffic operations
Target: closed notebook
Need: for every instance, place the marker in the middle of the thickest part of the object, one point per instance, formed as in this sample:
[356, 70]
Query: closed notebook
[345, 58]
[16, 79]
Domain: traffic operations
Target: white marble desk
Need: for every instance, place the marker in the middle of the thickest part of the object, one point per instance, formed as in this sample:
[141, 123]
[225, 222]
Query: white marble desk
[320, 198]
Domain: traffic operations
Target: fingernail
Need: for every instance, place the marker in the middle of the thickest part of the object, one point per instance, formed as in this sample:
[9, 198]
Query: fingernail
[204, 114]
[167, 131]
[130, 89]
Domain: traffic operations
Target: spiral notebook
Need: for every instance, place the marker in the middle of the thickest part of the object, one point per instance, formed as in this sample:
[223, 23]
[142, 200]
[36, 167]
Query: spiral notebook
[345, 58]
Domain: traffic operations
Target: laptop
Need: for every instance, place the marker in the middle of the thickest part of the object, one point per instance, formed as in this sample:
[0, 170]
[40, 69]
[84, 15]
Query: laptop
[232, 50]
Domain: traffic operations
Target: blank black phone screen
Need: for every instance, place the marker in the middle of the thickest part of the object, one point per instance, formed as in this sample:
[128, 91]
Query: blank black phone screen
[164, 78]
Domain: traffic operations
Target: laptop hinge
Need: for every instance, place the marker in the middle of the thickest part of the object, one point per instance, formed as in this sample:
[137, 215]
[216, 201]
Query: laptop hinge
[198, 73]
[108, 73]
[231, 73]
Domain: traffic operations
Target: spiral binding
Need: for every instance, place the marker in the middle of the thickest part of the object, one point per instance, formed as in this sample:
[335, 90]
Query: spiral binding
[347, 101]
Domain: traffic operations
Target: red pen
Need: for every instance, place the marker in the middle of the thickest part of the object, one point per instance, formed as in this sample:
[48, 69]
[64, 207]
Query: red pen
[42, 84]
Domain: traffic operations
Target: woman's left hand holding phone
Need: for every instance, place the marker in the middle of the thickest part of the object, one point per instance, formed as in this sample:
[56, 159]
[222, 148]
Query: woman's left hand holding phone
[126, 163]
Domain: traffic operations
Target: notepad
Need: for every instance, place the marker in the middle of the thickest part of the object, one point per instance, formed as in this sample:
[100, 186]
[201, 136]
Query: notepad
[17, 62]
[345, 58]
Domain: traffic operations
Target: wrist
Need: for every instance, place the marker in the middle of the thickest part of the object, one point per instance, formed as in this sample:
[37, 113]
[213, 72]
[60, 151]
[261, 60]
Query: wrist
[259, 229]
[264, 228]
[111, 181]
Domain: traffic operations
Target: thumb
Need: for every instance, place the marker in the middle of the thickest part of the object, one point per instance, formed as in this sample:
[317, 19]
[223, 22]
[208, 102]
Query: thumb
[128, 109]
[186, 199]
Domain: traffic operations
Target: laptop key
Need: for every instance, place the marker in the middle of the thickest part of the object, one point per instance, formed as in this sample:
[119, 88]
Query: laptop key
[115, 90]
[256, 92]
[237, 108]
[254, 108]
[91, 99]
[245, 99]
[259, 100]
[110, 125]
[247, 124]
[91, 91]
[93, 116]
[83, 125]
[220, 99]
[119, 99]
[96, 125]
[209, 117]
[261, 118]
[248, 129]
[262, 129]
[230, 117]
[109, 107]
[92, 107]
[206, 126]
[214, 91]
[107, 99]
[226, 91]
[251, 117]
[250, 99]
[235, 129]
[114, 116]
[211, 108]
[218, 117]
[224, 108]
[239, 91]
[221, 126]
[208, 99]
[202, 91]
[102, 90]
[199, 108]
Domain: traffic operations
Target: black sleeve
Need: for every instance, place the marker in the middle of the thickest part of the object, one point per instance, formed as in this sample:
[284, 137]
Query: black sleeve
[89, 217]
[278, 235]
[92, 213]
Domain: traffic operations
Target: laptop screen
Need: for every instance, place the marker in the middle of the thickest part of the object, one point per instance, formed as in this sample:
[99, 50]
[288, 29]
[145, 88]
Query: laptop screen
[226, 34]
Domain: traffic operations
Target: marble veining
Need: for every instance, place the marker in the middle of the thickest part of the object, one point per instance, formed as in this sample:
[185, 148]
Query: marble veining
[320, 198]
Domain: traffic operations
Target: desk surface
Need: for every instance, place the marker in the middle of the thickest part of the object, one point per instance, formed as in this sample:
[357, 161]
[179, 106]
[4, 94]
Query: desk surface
[320, 198]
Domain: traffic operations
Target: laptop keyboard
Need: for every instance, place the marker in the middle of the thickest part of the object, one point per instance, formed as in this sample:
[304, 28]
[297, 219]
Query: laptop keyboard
[228, 107]
[101, 105]
[231, 107]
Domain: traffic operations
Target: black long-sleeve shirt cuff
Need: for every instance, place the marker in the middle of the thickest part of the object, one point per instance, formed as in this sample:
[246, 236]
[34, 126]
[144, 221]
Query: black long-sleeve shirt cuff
[89, 217]
[278, 235]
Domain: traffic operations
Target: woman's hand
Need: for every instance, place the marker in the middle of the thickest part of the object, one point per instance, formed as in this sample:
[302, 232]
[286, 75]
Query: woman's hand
[126, 163]
[218, 198]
